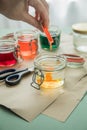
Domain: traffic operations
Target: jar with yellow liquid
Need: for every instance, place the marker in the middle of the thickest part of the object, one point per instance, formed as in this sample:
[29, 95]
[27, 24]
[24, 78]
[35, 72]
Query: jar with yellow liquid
[48, 71]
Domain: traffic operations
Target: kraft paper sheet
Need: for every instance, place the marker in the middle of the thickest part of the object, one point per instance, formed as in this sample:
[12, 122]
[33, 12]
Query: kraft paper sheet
[74, 88]
[28, 102]
[25, 100]
[74, 91]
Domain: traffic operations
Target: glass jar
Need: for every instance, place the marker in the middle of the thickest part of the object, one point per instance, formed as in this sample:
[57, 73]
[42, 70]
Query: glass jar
[48, 71]
[80, 37]
[55, 33]
[28, 43]
[74, 61]
[8, 52]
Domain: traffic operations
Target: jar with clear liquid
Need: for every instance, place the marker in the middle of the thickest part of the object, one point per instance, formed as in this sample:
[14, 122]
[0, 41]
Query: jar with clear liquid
[80, 37]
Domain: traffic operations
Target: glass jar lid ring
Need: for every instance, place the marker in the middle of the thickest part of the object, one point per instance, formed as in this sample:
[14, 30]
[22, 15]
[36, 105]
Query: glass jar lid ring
[74, 58]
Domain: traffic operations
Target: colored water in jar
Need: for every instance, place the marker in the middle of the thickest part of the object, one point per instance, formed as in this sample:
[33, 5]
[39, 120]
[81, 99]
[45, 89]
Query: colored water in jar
[50, 82]
[28, 46]
[7, 59]
[8, 52]
[55, 33]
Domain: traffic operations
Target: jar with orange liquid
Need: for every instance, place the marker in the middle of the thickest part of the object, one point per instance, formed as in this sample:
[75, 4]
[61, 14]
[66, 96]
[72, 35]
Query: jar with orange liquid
[28, 43]
[48, 71]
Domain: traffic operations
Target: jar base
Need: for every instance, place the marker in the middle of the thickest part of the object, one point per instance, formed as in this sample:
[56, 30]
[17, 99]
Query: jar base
[82, 49]
[52, 84]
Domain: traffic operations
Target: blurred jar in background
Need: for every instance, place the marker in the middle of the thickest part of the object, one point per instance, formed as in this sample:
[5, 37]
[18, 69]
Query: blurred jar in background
[80, 36]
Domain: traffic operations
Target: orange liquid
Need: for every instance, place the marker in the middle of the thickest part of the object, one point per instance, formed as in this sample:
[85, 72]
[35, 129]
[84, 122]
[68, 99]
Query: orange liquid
[28, 49]
[49, 82]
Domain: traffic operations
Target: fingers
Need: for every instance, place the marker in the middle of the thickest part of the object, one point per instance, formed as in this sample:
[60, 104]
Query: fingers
[18, 10]
[31, 20]
[46, 5]
[41, 8]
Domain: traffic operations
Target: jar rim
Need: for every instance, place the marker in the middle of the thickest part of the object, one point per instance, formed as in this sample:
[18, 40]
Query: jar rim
[80, 28]
[28, 35]
[50, 62]
[52, 29]
[7, 45]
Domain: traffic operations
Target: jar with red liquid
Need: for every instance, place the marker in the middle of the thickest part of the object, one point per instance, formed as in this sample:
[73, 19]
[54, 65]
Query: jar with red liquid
[8, 52]
[28, 43]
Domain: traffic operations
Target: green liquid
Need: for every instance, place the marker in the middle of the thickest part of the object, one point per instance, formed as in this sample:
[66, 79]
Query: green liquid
[46, 45]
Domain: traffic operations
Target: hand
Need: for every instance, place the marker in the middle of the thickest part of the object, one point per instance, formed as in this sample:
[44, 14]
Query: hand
[19, 10]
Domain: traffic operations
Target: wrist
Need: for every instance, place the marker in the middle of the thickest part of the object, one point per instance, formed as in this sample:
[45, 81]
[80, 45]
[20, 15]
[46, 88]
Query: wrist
[2, 3]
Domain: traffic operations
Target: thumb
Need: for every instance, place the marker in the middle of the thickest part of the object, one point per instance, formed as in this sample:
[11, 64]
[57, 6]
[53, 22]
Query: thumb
[31, 20]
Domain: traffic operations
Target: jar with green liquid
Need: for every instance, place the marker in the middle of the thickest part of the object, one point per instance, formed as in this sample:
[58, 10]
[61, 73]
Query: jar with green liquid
[55, 33]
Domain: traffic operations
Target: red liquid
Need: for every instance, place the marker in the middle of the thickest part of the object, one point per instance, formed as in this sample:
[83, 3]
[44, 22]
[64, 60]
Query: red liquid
[7, 59]
[28, 49]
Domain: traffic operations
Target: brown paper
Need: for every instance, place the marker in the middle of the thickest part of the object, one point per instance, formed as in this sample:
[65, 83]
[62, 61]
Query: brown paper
[28, 102]
[25, 100]
[74, 88]
[74, 91]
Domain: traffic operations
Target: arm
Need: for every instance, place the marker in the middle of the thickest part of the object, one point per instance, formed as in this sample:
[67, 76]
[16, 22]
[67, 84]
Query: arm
[18, 10]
